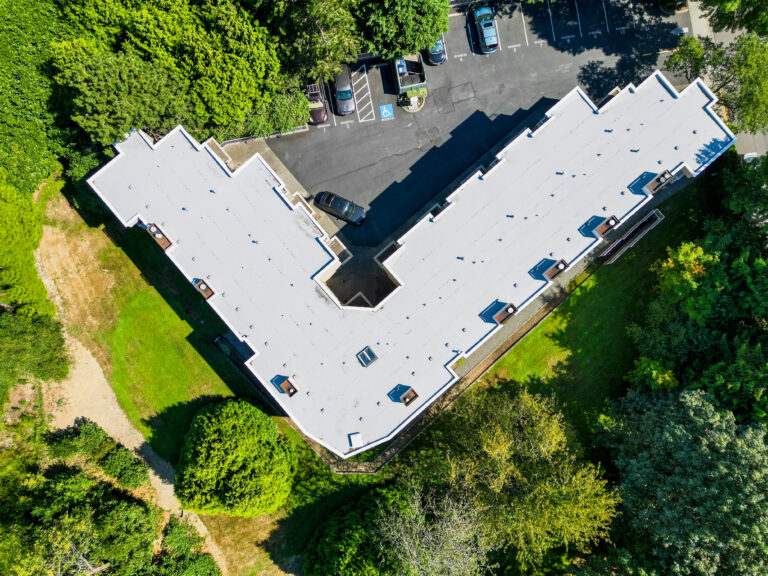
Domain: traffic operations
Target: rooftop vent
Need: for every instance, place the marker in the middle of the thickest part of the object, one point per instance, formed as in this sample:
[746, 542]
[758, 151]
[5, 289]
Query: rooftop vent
[204, 289]
[356, 440]
[505, 313]
[659, 182]
[366, 357]
[555, 270]
[606, 226]
[409, 396]
[160, 238]
[287, 387]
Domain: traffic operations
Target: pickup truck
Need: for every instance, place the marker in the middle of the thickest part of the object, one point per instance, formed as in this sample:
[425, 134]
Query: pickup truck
[409, 74]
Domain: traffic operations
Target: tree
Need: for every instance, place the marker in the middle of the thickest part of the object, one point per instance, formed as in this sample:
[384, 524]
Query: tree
[114, 93]
[733, 15]
[747, 187]
[736, 73]
[29, 141]
[20, 288]
[393, 28]
[234, 461]
[64, 522]
[182, 552]
[513, 455]
[316, 35]
[693, 484]
[347, 542]
[433, 535]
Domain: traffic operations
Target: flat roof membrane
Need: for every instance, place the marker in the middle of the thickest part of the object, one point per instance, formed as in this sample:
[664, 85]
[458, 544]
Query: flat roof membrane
[262, 261]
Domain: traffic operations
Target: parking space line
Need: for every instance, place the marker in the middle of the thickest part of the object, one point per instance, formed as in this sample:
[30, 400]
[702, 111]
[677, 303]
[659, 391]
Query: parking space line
[551, 22]
[605, 12]
[363, 94]
[330, 102]
[632, 11]
[498, 36]
[578, 18]
[522, 21]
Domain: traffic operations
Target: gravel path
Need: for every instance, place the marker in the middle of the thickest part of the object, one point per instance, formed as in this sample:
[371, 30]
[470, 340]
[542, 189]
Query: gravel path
[86, 392]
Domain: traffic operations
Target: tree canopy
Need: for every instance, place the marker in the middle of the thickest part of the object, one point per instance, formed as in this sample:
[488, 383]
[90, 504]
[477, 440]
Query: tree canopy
[394, 28]
[234, 461]
[513, 455]
[751, 15]
[736, 73]
[693, 484]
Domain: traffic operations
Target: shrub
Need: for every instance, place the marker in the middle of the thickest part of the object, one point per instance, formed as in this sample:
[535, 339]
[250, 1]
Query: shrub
[234, 461]
[122, 465]
[116, 461]
[182, 553]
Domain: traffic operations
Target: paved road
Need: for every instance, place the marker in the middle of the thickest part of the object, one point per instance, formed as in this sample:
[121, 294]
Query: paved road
[395, 165]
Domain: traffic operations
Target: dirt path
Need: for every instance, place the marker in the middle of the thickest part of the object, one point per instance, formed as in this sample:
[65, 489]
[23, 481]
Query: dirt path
[87, 393]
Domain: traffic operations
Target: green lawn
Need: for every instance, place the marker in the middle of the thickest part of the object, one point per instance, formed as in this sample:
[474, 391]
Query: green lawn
[581, 352]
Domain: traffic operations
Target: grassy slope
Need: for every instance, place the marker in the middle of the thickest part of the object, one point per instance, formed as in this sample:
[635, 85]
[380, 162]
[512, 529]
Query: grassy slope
[581, 352]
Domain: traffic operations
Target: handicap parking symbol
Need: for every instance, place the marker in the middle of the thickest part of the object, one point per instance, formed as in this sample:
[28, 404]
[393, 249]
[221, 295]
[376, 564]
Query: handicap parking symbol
[386, 112]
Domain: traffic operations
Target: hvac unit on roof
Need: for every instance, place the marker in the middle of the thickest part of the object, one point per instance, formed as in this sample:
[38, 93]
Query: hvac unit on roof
[287, 387]
[158, 236]
[606, 226]
[203, 288]
[555, 270]
[409, 396]
[505, 313]
[659, 182]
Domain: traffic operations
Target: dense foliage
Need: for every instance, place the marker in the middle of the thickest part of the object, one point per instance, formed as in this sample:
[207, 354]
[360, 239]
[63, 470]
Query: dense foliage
[234, 461]
[393, 28]
[88, 438]
[182, 552]
[693, 484]
[751, 15]
[347, 542]
[512, 455]
[736, 73]
[30, 338]
[706, 325]
[28, 144]
[61, 520]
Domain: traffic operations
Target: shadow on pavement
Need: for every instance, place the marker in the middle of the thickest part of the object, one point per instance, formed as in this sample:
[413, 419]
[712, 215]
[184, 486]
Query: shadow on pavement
[431, 178]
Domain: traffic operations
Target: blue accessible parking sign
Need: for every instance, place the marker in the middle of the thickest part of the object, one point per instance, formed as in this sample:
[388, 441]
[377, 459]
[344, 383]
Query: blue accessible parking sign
[386, 112]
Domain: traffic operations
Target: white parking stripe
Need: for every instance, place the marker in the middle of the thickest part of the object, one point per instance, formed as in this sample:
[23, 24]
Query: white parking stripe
[607, 29]
[361, 95]
[551, 22]
[578, 18]
[522, 21]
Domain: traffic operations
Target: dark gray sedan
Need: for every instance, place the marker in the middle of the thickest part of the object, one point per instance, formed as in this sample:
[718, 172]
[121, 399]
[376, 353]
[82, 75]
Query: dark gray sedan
[340, 207]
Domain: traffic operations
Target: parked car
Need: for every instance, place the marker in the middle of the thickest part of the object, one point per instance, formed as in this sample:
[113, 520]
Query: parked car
[317, 112]
[487, 32]
[437, 53]
[340, 207]
[345, 96]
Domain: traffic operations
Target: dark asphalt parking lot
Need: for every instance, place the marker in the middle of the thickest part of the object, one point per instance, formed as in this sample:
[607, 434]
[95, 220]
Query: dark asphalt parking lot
[395, 166]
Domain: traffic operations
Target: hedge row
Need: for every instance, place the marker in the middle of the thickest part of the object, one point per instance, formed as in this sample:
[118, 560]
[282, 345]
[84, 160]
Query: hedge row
[88, 438]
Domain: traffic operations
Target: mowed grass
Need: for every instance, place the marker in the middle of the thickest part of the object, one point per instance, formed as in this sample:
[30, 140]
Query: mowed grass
[158, 375]
[581, 352]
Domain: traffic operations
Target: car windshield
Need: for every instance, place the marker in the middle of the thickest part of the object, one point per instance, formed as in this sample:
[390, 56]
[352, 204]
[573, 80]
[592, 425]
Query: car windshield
[437, 48]
[316, 103]
[345, 94]
[342, 206]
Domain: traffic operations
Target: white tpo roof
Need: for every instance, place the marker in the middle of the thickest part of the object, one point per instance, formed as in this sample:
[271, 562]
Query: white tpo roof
[263, 258]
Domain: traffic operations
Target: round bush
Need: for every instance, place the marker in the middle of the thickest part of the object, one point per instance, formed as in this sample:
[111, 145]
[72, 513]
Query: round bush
[234, 461]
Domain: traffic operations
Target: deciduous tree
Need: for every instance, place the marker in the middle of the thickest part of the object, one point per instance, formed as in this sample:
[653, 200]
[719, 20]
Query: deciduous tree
[736, 73]
[393, 28]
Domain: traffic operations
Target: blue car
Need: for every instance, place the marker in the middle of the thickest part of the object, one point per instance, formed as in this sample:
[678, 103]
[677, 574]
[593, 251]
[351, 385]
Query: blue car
[488, 34]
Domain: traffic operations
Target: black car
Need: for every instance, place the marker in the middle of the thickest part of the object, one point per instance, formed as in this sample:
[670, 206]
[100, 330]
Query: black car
[341, 208]
[437, 53]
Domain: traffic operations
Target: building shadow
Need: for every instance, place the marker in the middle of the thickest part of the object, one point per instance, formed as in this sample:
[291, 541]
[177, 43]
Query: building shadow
[431, 178]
